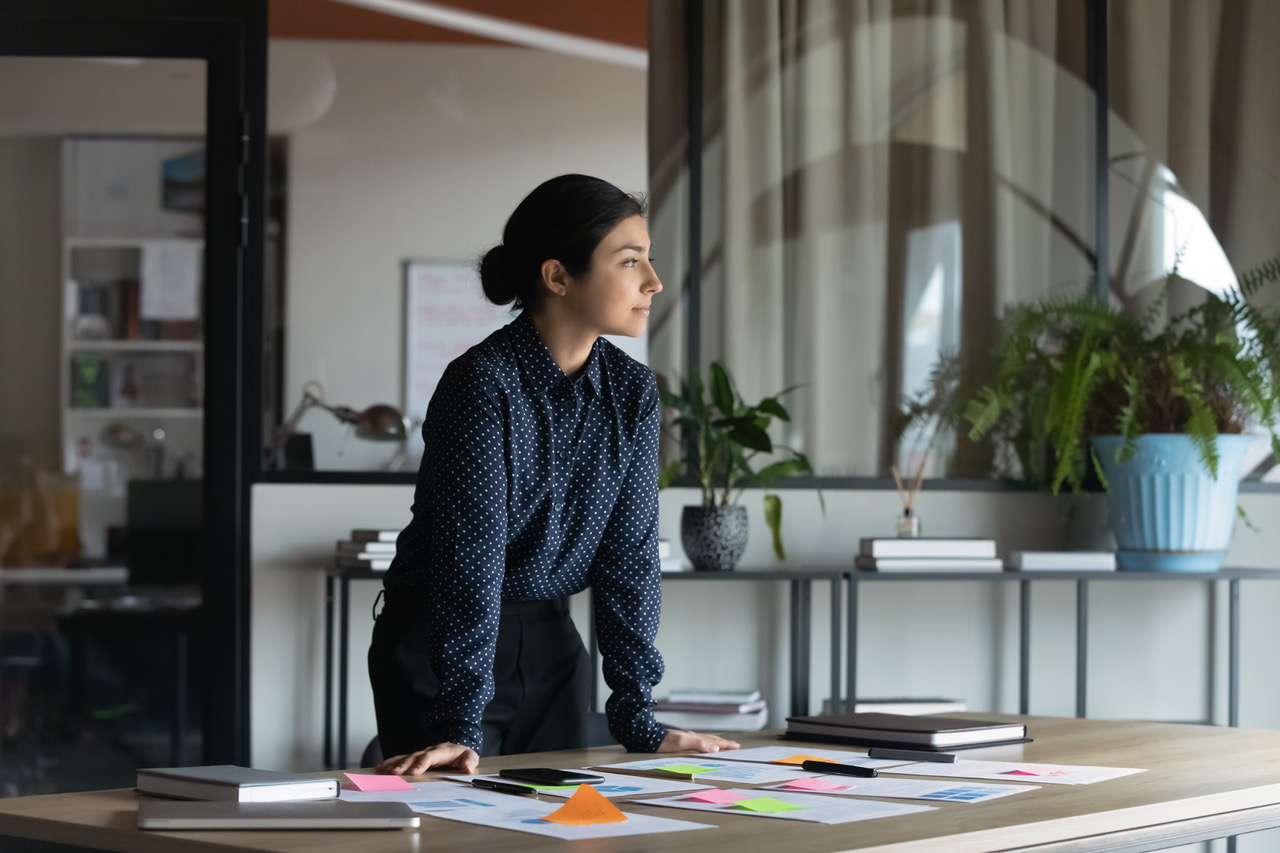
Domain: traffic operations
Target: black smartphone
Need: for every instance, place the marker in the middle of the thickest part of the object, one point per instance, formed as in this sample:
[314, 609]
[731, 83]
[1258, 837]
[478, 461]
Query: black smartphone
[549, 776]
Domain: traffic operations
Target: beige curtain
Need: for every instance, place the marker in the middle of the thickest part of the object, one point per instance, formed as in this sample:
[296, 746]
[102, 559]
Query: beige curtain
[1194, 102]
[882, 178]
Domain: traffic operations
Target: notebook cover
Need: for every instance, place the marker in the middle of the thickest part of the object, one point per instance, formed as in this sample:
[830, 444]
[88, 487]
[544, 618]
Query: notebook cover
[896, 744]
[918, 724]
[227, 774]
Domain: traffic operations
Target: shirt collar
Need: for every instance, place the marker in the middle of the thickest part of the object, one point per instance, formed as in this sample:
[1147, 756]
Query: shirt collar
[538, 363]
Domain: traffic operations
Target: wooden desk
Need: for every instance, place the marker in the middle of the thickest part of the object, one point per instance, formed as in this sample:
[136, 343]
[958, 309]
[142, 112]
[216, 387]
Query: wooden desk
[1201, 782]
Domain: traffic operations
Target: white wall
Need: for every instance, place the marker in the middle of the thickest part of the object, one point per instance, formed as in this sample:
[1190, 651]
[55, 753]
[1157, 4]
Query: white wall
[1157, 650]
[423, 153]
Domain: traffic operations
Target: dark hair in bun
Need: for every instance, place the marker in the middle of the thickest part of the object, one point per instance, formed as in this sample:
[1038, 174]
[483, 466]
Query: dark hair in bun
[564, 219]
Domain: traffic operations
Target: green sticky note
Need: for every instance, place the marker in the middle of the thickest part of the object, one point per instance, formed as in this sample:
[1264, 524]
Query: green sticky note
[767, 805]
[686, 768]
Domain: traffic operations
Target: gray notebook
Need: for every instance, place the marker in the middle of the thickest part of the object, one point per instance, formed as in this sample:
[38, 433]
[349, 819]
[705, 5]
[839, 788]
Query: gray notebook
[322, 814]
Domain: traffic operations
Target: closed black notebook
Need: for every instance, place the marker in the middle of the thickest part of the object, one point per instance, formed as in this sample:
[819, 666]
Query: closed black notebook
[916, 732]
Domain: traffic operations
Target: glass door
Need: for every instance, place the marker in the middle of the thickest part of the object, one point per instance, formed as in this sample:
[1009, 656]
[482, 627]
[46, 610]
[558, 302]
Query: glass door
[130, 198]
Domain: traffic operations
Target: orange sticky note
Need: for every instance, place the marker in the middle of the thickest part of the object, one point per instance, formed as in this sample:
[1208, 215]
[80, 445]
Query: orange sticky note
[799, 759]
[585, 807]
[378, 782]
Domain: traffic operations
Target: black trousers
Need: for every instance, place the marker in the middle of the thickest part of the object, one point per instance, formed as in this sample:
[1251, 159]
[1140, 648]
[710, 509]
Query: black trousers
[541, 673]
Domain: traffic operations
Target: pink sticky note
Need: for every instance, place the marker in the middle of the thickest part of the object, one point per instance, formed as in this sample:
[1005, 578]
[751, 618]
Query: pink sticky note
[378, 782]
[1037, 773]
[809, 783]
[715, 795]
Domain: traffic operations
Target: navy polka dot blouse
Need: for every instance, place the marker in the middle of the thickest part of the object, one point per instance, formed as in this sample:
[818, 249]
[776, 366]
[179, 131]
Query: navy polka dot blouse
[533, 486]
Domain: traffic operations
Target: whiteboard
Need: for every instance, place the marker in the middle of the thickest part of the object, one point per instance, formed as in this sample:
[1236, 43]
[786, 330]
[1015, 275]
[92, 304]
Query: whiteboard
[445, 314]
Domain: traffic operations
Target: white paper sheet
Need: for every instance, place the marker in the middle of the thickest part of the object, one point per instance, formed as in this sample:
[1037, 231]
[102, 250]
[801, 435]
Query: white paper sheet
[916, 789]
[170, 288]
[717, 771]
[765, 754]
[814, 808]
[1018, 771]
[451, 801]
[614, 785]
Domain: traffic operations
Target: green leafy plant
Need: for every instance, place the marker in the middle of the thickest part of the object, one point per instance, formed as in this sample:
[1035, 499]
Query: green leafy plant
[1068, 368]
[722, 436]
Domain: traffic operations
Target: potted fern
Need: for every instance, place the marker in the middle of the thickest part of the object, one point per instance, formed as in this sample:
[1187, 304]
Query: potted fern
[1157, 412]
[722, 436]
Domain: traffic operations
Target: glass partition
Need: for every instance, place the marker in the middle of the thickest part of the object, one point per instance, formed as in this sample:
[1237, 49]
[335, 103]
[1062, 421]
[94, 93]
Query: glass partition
[102, 179]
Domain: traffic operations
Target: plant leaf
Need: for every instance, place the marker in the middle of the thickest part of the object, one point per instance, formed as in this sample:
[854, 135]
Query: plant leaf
[773, 518]
[721, 389]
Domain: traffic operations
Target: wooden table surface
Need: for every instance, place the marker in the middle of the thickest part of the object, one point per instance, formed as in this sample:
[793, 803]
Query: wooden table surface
[1201, 782]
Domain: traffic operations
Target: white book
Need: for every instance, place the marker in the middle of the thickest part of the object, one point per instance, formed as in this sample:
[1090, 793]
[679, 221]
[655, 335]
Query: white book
[700, 721]
[1069, 561]
[236, 784]
[925, 547]
[930, 564]
[664, 548]
[740, 697]
[671, 564]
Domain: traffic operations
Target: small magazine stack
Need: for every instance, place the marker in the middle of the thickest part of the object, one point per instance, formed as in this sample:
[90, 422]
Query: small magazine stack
[713, 710]
[367, 549]
[929, 555]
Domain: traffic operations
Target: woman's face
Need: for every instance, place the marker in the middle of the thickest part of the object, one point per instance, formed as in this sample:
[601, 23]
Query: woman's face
[613, 296]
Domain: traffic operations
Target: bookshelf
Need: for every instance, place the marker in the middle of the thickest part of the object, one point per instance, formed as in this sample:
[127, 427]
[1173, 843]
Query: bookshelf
[131, 395]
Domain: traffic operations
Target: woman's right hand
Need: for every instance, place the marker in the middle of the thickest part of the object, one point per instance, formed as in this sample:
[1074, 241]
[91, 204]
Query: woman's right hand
[452, 755]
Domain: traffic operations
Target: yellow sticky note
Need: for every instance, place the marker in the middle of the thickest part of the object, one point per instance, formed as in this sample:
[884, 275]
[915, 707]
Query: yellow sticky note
[587, 806]
[688, 769]
[767, 805]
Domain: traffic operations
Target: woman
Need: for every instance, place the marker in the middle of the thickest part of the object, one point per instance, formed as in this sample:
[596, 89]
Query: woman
[539, 478]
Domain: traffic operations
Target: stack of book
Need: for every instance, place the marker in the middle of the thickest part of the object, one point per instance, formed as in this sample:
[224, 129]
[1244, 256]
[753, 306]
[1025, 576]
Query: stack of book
[713, 710]
[911, 732]
[367, 549]
[929, 555]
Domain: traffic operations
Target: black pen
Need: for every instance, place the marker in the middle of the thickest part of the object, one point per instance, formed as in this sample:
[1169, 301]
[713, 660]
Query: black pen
[842, 769]
[910, 755]
[502, 787]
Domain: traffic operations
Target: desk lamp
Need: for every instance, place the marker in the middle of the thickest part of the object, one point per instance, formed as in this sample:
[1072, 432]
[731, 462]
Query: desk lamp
[379, 422]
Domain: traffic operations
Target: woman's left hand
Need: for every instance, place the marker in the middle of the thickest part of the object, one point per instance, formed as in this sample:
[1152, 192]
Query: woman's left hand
[681, 741]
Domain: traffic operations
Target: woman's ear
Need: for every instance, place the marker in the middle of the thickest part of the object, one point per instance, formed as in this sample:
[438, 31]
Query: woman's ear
[555, 277]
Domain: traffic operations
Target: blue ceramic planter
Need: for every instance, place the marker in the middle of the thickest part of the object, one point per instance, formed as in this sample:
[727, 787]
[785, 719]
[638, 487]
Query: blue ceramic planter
[1167, 513]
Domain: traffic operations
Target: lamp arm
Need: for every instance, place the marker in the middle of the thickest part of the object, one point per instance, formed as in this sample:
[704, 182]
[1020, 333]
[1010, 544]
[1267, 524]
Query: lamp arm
[290, 426]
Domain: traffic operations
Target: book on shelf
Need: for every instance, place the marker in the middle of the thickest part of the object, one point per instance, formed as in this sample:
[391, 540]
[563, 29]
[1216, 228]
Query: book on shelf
[928, 547]
[902, 705]
[1067, 561]
[715, 696]
[930, 564]
[354, 547]
[376, 562]
[664, 549]
[711, 707]
[233, 783]
[374, 535]
[925, 731]
[701, 721]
